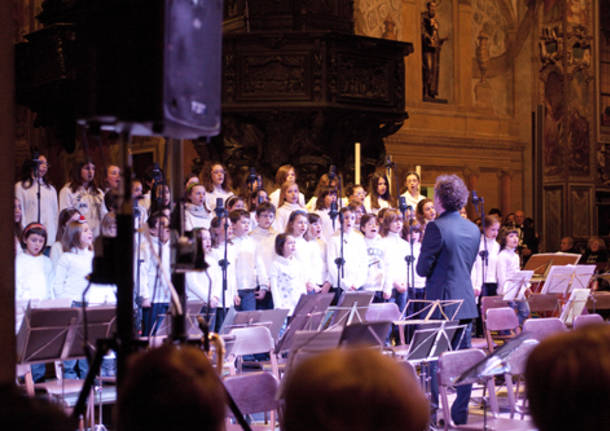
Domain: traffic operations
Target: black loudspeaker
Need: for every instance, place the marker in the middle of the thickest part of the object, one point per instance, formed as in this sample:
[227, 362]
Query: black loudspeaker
[154, 65]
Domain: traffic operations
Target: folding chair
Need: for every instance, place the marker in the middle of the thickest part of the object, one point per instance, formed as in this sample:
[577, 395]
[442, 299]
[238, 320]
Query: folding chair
[543, 327]
[249, 341]
[451, 366]
[587, 319]
[498, 321]
[254, 393]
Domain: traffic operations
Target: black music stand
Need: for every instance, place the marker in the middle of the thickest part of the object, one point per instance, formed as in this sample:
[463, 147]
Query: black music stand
[193, 310]
[433, 339]
[365, 333]
[352, 305]
[308, 314]
[101, 324]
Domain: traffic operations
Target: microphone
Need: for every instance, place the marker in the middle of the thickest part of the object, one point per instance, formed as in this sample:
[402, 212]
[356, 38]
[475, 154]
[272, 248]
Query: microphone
[333, 213]
[332, 173]
[252, 177]
[389, 164]
[476, 199]
[402, 205]
[219, 210]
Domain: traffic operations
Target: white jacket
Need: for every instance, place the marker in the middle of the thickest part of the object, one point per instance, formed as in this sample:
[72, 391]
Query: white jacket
[89, 203]
[49, 210]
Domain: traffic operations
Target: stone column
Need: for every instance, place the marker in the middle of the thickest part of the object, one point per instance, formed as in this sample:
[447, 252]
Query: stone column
[464, 53]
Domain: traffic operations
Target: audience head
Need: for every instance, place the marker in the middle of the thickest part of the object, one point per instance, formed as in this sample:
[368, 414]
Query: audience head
[21, 412]
[496, 212]
[171, 388]
[355, 390]
[450, 193]
[596, 244]
[566, 244]
[568, 380]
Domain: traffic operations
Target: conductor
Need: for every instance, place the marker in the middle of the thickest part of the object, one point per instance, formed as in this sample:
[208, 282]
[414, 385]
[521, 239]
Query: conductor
[448, 251]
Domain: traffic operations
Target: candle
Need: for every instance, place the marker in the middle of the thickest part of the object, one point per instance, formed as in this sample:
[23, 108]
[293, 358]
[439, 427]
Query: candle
[357, 163]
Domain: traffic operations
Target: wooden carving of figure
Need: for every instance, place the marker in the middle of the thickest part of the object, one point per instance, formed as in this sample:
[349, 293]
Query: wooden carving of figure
[431, 50]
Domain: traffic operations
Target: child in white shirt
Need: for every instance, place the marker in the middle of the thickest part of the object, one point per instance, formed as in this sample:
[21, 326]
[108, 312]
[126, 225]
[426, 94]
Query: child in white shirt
[286, 275]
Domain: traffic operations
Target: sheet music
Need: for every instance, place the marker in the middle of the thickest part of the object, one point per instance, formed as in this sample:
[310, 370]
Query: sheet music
[516, 285]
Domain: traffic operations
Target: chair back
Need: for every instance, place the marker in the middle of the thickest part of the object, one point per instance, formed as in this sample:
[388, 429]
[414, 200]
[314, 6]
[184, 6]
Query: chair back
[541, 328]
[501, 319]
[251, 340]
[543, 303]
[452, 365]
[488, 302]
[382, 312]
[253, 392]
[587, 319]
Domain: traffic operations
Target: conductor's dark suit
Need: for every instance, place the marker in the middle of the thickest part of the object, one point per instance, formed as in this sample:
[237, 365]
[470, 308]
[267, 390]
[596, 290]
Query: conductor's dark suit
[448, 251]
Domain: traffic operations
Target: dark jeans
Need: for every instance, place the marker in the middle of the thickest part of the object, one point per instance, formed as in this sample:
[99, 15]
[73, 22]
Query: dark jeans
[459, 408]
[399, 299]
[153, 316]
[266, 303]
[248, 300]
[488, 289]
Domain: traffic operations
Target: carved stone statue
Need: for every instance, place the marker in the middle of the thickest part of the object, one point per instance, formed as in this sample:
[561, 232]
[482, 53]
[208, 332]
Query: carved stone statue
[431, 50]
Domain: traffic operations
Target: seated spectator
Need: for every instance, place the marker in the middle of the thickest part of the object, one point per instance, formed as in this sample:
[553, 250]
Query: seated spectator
[355, 390]
[171, 388]
[568, 380]
[567, 245]
[23, 413]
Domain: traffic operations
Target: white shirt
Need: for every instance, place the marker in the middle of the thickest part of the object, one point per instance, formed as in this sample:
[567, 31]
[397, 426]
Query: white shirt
[493, 250]
[395, 250]
[282, 214]
[250, 270]
[274, 198]
[153, 285]
[198, 285]
[354, 254]
[376, 265]
[33, 277]
[70, 272]
[216, 256]
[196, 217]
[287, 284]
[328, 229]
[90, 203]
[507, 266]
[419, 281]
[210, 197]
[264, 240]
[382, 204]
[49, 209]
[411, 200]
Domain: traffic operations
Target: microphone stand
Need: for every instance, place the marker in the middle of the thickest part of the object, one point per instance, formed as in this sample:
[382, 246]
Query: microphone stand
[340, 261]
[37, 174]
[224, 262]
[479, 204]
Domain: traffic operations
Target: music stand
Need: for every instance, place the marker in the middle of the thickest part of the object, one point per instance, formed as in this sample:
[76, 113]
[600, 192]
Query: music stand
[433, 339]
[307, 314]
[541, 262]
[575, 305]
[433, 309]
[101, 323]
[352, 305]
[517, 285]
[365, 333]
[193, 310]
[582, 275]
[46, 334]
[272, 319]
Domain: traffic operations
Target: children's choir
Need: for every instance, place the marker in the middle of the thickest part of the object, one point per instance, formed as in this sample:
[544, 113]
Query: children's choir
[276, 248]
